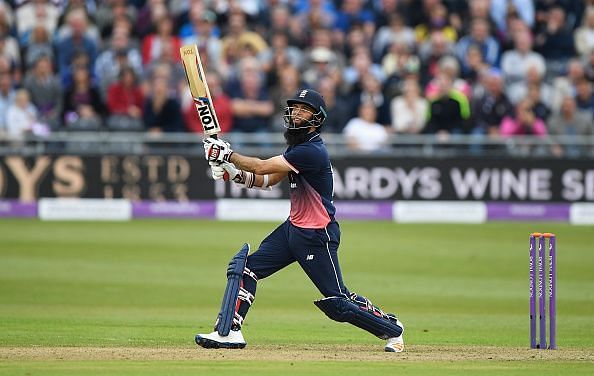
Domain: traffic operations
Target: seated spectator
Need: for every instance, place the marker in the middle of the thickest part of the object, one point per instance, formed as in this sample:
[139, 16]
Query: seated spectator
[570, 122]
[518, 91]
[220, 101]
[566, 84]
[584, 98]
[76, 44]
[431, 53]
[536, 93]
[65, 28]
[361, 65]
[124, 102]
[163, 42]
[161, 112]
[337, 107]
[480, 36]
[449, 110]
[238, 36]
[363, 133]
[110, 12]
[584, 35]
[555, 41]
[522, 122]
[40, 43]
[409, 110]
[9, 49]
[395, 32]
[489, 109]
[46, 91]
[6, 97]
[502, 10]
[251, 104]
[371, 92]
[322, 63]
[21, 116]
[475, 65]
[448, 65]
[120, 53]
[515, 63]
[399, 60]
[438, 20]
[36, 13]
[83, 106]
[202, 31]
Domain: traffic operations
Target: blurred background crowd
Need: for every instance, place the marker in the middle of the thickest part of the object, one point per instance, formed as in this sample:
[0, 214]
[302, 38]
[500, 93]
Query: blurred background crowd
[489, 68]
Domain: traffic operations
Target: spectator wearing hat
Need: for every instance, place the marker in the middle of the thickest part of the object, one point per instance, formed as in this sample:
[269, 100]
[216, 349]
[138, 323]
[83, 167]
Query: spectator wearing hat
[322, 63]
[45, 90]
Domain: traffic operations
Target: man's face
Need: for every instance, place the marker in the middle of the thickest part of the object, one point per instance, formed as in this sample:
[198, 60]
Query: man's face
[299, 115]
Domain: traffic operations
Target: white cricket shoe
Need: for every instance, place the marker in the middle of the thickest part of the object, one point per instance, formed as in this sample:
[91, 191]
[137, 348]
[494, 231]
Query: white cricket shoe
[215, 341]
[396, 344]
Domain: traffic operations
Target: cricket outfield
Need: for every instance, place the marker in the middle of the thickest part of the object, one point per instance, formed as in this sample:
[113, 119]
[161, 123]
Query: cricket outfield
[127, 298]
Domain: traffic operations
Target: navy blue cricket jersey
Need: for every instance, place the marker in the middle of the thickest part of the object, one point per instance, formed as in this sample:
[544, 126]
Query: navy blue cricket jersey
[311, 184]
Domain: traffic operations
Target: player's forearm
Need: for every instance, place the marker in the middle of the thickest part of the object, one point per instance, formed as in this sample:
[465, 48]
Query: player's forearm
[268, 180]
[250, 164]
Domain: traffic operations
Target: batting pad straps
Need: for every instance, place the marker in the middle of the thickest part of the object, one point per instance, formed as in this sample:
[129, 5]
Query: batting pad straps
[246, 296]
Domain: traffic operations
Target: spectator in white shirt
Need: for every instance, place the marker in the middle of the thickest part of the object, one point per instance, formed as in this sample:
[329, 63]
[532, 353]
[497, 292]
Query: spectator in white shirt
[515, 63]
[21, 115]
[409, 110]
[363, 133]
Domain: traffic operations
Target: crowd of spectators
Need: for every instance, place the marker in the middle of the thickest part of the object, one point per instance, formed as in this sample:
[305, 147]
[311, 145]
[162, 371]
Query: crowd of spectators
[497, 68]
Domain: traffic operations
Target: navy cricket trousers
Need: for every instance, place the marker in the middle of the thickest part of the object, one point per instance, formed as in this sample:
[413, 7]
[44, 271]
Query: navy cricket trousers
[316, 251]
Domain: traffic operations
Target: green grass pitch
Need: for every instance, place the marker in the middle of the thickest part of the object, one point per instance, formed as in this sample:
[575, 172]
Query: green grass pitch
[127, 298]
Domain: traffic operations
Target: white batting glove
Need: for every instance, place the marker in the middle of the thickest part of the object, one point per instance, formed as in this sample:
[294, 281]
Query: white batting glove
[216, 150]
[227, 171]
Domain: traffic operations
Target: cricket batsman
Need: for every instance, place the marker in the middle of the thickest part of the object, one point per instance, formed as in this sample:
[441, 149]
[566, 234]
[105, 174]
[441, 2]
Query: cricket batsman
[310, 236]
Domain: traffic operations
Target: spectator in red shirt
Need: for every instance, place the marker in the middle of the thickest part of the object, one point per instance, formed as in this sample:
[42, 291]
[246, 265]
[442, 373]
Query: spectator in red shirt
[125, 101]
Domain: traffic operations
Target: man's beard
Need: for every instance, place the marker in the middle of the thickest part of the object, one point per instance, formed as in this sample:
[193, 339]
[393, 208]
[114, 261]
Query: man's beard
[296, 136]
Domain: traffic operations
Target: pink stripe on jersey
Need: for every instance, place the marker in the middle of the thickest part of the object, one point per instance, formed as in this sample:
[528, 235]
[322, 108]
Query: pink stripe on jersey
[290, 165]
[307, 209]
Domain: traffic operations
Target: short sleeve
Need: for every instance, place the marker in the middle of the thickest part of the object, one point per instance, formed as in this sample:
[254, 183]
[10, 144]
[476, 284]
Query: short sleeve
[303, 158]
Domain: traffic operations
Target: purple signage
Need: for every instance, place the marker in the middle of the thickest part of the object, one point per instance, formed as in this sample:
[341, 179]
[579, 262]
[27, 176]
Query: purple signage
[174, 209]
[364, 210]
[503, 211]
[14, 208]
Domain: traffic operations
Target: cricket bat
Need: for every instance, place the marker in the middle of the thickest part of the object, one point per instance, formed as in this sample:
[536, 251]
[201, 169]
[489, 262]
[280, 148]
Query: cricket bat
[199, 89]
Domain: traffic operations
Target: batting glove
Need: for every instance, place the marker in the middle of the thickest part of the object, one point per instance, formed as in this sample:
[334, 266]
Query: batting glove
[228, 171]
[217, 151]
